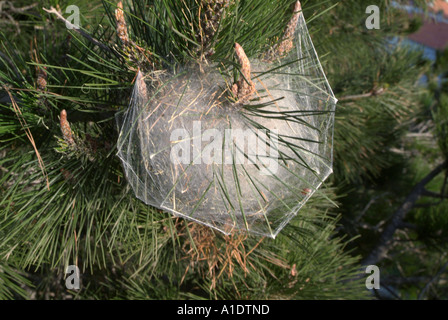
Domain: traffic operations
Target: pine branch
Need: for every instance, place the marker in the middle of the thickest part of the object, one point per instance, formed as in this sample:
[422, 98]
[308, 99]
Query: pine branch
[432, 194]
[374, 92]
[78, 30]
[17, 10]
[433, 279]
[386, 238]
[401, 280]
[407, 225]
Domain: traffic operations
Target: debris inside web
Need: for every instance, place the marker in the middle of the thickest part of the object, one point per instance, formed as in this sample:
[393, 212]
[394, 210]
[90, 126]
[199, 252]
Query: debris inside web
[191, 147]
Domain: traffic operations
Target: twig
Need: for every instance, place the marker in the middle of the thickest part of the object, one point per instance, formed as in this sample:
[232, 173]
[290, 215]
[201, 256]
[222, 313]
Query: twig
[78, 30]
[432, 194]
[420, 135]
[442, 270]
[13, 9]
[374, 92]
[17, 10]
[382, 247]
[427, 205]
[407, 225]
[394, 280]
[388, 289]
[367, 207]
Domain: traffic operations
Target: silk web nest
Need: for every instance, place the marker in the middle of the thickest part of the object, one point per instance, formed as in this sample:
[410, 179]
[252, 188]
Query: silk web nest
[235, 157]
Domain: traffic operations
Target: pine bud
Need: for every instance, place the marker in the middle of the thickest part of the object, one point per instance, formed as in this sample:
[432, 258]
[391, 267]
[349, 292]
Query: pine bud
[294, 270]
[212, 12]
[122, 30]
[41, 79]
[244, 88]
[282, 48]
[286, 45]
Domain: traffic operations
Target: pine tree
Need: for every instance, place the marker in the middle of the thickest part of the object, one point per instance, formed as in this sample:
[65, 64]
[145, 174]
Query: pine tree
[392, 178]
[65, 199]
